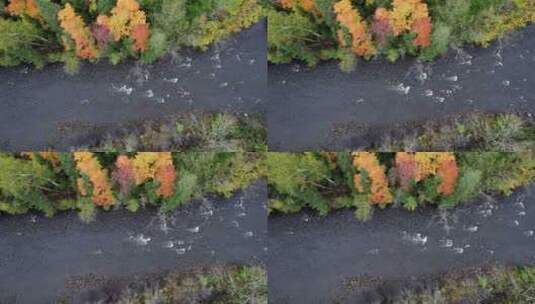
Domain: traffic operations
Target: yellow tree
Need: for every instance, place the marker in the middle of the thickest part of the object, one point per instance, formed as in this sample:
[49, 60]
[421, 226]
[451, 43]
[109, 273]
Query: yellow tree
[127, 20]
[412, 16]
[158, 166]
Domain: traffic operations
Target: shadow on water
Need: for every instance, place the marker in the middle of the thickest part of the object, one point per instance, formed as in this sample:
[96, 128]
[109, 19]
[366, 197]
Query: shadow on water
[312, 257]
[44, 258]
[230, 76]
[305, 105]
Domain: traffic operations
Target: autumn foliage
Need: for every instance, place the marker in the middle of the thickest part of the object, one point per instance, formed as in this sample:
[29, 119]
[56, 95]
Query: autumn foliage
[52, 157]
[127, 20]
[23, 7]
[351, 20]
[88, 165]
[368, 163]
[412, 15]
[129, 172]
[146, 166]
[124, 173]
[306, 5]
[365, 28]
[406, 16]
[408, 168]
[420, 165]
[75, 27]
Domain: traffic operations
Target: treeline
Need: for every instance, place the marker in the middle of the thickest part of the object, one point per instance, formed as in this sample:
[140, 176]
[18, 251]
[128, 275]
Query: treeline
[41, 31]
[363, 180]
[49, 181]
[314, 30]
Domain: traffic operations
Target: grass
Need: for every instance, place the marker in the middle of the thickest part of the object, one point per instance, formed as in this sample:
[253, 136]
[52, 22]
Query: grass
[496, 284]
[467, 132]
[228, 284]
[471, 131]
[188, 131]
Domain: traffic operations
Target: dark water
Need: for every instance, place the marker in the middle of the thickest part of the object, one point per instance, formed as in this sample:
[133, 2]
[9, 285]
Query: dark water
[230, 76]
[311, 256]
[41, 257]
[305, 105]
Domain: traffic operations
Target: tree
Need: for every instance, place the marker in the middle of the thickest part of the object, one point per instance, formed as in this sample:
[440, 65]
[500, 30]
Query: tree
[92, 172]
[371, 174]
[75, 27]
[351, 20]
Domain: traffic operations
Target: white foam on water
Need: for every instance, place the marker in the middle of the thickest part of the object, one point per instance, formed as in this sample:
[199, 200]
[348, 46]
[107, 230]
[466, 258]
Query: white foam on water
[472, 228]
[171, 80]
[446, 243]
[415, 238]
[194, 229]
[169, 244]
[373, 252]
[140, 239]
[123, 89]
[402, 89]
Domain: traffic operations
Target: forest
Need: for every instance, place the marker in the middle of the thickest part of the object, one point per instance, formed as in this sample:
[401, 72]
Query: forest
[364, 181]
[68, 31]
[50, 182]
[348, 30]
